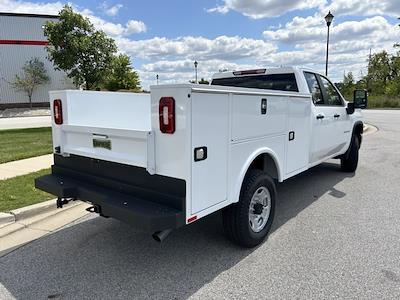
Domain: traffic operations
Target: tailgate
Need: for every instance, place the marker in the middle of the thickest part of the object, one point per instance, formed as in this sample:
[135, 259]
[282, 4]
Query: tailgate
[106, 125]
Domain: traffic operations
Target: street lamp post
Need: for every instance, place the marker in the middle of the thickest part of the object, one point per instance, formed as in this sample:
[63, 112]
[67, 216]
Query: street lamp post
[195, 68]
[328, 20]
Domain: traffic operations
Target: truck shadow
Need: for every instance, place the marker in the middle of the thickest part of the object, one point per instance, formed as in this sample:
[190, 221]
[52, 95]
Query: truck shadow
[298, 192]
[106, 259]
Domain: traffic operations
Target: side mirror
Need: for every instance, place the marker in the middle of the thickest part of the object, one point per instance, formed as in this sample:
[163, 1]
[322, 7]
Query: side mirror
[360, 99]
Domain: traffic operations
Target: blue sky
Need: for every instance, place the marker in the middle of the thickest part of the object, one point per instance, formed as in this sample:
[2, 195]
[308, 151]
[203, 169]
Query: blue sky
[165, 37]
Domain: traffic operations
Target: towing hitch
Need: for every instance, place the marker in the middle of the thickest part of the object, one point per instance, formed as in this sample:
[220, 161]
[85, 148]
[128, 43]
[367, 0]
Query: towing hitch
[94, 209]
[60, 202]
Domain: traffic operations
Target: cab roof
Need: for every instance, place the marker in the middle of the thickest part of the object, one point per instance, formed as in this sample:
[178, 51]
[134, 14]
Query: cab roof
[261, 71]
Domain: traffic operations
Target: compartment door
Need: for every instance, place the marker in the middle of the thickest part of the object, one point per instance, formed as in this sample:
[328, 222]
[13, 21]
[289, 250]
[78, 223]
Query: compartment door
[298, 139]
[210, 132]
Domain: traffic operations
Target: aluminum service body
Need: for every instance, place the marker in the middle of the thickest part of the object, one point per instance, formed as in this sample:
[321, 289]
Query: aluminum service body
[225, 120]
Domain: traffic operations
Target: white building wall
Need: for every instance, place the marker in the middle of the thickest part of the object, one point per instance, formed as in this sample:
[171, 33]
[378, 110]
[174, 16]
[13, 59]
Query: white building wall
[14, 56]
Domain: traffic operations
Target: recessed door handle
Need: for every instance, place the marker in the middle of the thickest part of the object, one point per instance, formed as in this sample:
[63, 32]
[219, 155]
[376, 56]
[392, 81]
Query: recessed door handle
[320, 116]
[264, 106]
[336, 116]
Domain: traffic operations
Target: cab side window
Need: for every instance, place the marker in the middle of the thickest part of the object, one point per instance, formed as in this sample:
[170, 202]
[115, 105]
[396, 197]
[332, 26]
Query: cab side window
[314, 88]
[331, 94]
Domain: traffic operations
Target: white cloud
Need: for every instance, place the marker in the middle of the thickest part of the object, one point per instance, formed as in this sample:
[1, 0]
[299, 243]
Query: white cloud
[223, 9]
[186, 65]
[50, 8]
[134, 26]
[182, 71]
[173, 59]
[222, 47]
[303, 38]
[111, 10]
[257, 9]
[364, 7]
[373, 30]
[349, 45]
[113, 29]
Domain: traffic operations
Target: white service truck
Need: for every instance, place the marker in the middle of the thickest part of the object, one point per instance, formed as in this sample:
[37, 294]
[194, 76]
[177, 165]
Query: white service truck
[163, 160]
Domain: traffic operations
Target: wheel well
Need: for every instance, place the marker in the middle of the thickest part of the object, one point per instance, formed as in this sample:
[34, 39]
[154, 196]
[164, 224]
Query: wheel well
[265, 163]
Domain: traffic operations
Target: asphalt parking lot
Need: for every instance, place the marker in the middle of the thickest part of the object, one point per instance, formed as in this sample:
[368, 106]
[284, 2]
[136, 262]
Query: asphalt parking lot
[336, 236]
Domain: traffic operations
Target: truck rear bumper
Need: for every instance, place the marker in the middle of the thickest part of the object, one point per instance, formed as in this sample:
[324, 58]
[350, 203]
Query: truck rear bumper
[145, 209]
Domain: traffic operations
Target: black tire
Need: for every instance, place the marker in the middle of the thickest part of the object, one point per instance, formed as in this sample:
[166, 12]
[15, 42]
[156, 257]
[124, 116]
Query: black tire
[349, 161]
[236, 217]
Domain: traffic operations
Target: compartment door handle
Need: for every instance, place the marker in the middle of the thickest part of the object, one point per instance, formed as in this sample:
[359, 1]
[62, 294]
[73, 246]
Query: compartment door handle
[264, 106]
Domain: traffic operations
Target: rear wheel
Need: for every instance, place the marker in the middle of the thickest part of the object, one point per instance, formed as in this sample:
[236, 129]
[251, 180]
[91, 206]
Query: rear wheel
[248, 222]
[349, 161]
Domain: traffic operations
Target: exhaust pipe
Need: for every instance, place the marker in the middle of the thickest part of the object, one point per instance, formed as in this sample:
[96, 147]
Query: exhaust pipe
[159, 236]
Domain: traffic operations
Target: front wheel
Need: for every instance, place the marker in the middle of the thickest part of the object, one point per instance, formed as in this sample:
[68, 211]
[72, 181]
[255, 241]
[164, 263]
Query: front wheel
[249, 221]
[349, 161]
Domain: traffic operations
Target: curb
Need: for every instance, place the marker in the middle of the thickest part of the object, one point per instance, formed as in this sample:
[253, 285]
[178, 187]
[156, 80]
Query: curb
[13, 117]
[33, 210]
[13, 221]
[368, 129]
[6, 219]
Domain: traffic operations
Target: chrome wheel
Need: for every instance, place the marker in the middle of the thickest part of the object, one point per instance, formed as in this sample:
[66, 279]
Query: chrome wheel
[259, 209]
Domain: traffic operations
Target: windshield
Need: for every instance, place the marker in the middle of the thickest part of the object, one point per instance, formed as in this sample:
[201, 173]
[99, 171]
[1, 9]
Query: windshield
[282, 82]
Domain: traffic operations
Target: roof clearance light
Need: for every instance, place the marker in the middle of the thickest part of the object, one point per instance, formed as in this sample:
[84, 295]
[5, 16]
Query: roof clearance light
[250, 72]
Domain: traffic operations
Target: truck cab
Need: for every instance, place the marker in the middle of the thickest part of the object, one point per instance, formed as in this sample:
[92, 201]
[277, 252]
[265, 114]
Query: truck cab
[319, 129]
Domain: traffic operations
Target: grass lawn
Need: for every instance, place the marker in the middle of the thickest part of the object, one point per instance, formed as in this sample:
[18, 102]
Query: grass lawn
[383, 101]
[20, 191]
[17, 144]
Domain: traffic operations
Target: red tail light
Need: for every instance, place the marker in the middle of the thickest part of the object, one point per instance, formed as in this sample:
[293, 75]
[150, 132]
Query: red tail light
[167, 115]
[57, 111]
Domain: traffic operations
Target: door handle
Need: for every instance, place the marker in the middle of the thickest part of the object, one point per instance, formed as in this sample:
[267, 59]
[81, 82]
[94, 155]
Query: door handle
[336, 116]
[264, 106]
[320, 116]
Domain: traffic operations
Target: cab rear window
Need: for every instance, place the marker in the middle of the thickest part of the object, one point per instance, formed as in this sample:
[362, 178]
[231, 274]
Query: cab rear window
[281, 82]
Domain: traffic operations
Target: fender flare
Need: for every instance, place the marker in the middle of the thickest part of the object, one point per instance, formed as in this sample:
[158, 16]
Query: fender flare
[356, 125]
[246, 166]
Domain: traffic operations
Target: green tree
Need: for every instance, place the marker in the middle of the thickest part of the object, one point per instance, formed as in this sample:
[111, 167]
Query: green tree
[348, 80]
[348, 83]
[34, 75]
[379, 72]
[392, 87]
[121, 75]
[84, 53]
[203, 81]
